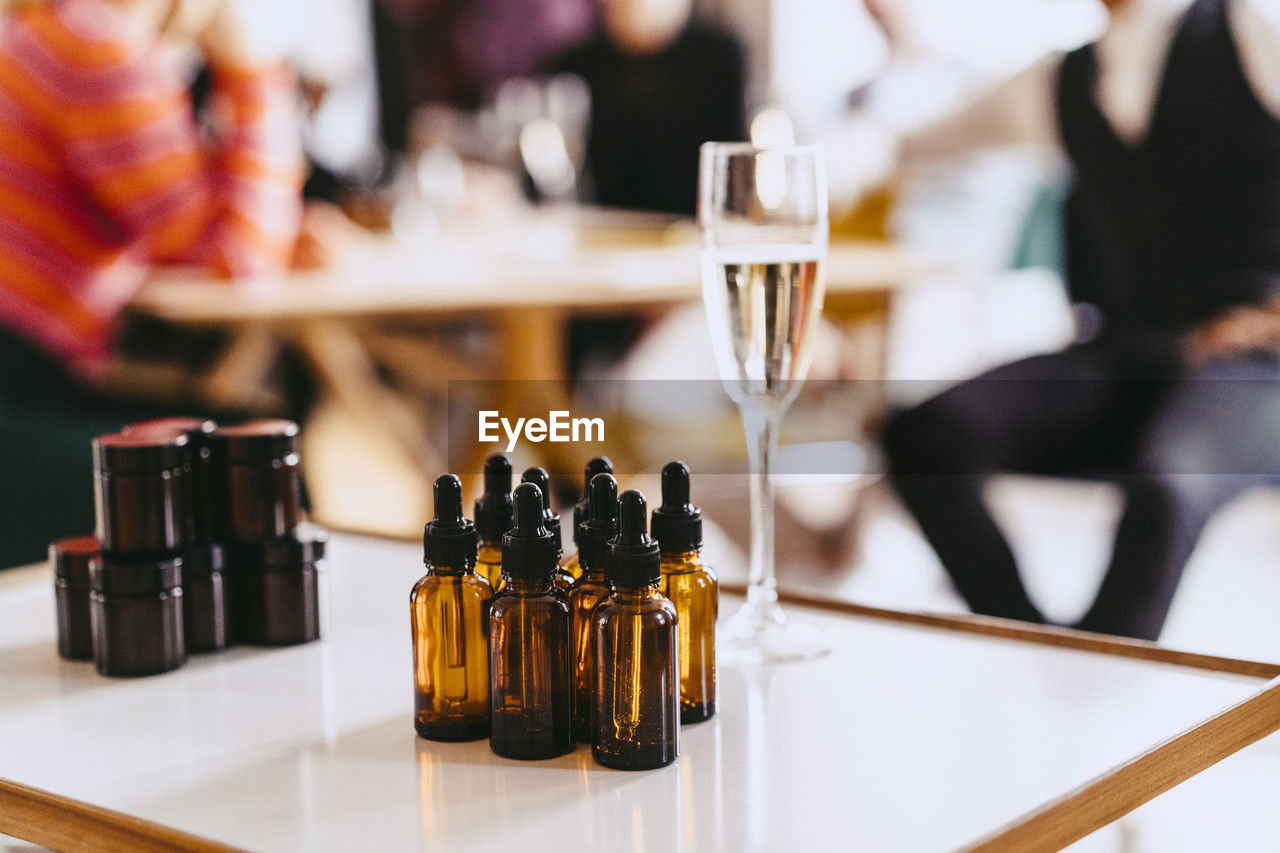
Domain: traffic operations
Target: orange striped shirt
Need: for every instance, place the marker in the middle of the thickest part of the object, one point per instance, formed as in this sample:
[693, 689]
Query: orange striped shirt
[104, 173]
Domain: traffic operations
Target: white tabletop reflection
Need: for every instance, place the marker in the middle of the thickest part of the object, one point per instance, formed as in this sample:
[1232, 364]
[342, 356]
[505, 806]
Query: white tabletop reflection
[902, 739]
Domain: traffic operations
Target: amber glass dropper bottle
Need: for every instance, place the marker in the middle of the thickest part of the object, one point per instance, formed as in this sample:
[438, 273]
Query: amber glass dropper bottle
[693, 589]
[637, 713]
[493, 517]
[594, 533]
[529, 639]
[598, 465]
[449, 611]
[550, 520]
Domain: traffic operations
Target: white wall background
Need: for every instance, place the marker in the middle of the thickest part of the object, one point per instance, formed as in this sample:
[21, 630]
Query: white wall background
[808, 54]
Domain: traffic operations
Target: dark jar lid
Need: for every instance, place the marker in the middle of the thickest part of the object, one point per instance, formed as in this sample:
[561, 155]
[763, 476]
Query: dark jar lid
[255, 442]
[202, 559]
[117, 575]
[138, 453]
[73, 558]
[303, 549]
[188, 426]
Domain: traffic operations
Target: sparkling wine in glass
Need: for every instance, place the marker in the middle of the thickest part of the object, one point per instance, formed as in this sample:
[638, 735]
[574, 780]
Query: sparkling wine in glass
[763, 217]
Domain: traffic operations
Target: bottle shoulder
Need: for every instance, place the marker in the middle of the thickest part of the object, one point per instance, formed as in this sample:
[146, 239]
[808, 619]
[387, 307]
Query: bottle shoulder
[552, 601]
[702, 576]
[656, 609]
[433, 584]
[685, 564]
[587, 586]
[477, 583]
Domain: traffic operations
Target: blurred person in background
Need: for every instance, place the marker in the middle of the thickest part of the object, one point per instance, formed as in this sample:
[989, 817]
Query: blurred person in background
[970, 213]
[105, 171]
[457, 52]
[661, 85]
[1171, 124]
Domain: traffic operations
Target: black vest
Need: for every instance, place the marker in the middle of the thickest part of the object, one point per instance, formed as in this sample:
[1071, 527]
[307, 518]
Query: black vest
[1173, 229]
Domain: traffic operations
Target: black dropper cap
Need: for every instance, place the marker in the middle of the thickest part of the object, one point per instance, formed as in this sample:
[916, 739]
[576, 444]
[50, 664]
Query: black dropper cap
[601, 523]
[493, 509]
[540, 478]
[449, 539]
[529, 550]
[634, 559]
[581, 510]
[677, 524]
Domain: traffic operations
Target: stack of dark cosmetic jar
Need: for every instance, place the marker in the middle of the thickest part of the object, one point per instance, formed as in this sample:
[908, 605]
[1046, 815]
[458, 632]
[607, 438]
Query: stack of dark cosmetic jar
[201, 543]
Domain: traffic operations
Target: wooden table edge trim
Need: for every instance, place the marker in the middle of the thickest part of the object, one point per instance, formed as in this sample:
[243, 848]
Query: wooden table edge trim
[1122, 789]
[1047, 635]
[64, 824]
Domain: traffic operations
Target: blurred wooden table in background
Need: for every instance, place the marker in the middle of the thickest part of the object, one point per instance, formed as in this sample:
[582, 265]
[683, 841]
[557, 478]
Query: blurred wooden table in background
[524, 282]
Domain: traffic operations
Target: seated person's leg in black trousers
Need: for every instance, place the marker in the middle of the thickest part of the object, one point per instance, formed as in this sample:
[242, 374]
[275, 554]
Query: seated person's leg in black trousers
[1212, 437]
[1049, 413]
[1180, 447]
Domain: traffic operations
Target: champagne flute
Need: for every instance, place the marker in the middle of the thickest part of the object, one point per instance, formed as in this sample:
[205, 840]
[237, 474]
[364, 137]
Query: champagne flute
[762, 213]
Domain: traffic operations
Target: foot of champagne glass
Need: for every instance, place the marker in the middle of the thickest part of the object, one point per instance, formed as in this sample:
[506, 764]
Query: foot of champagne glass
[763, 633]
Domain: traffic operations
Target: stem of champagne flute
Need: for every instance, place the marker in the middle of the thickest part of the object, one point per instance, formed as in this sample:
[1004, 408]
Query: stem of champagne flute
[761, 425]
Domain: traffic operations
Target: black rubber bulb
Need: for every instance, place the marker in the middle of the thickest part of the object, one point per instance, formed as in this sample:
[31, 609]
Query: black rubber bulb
[675, 488]
[582, 509]
[633, 528]
[529, 514]
[677, 524]
[634, 559]
[540, 478]
[602, 494]
[449, 538]
[493, 508]
[598, 465]
[497, 475]
[601, 523]
[529, 550]
[448, 498]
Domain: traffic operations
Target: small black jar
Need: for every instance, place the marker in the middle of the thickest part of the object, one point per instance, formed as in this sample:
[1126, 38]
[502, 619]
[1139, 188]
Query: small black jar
[206, 602]
[136, 613]
[72, 561]
[140, 492]
[196, 469]
[279, 587]
[257, 480]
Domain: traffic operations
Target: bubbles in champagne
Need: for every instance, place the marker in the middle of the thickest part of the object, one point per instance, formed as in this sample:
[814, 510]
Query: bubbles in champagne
[762, 305]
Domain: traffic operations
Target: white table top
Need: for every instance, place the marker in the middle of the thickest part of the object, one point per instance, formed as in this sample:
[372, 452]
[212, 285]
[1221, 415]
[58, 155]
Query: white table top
[902, 739]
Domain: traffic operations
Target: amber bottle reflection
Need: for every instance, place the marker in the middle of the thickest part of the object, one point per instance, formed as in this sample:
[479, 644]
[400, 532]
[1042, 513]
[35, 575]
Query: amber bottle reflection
[594, 532]
[693, 589]
[493, 517]
[449, 610]
[637, 711]
[581, 511]
[550, 520]
[529, 639]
